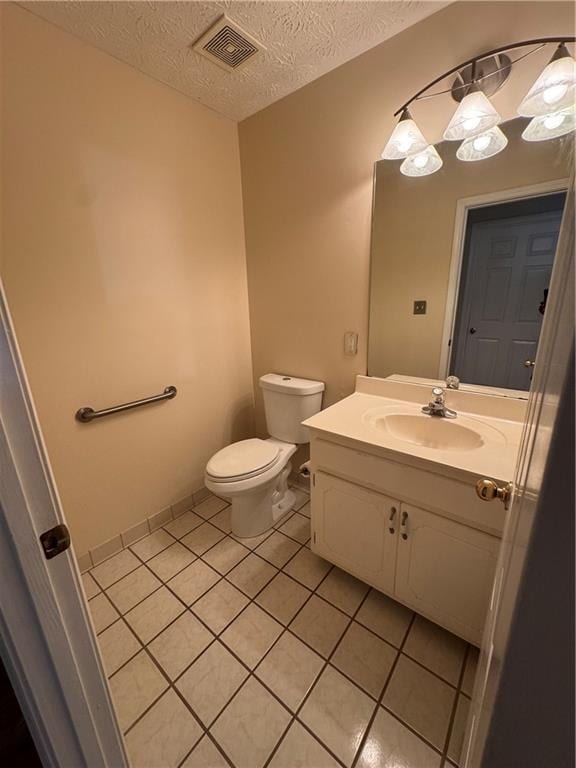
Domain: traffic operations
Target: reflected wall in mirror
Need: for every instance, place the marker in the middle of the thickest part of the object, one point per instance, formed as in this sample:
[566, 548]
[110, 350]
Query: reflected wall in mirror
[461, 262]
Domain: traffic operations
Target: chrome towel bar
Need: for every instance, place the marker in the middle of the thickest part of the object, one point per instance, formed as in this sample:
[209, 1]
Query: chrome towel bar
[87, 414]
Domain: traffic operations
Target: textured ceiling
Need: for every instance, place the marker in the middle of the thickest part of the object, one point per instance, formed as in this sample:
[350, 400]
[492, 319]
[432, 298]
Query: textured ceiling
[303, 40]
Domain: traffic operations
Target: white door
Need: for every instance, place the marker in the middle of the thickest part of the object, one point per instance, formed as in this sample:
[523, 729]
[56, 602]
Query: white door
[356, 529]
[445, 570]
[509, 263]
[522, 706]
[46, 640]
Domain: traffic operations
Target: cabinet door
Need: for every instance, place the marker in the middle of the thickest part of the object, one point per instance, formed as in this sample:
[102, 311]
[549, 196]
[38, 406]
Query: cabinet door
[351, 527]
[445, 570]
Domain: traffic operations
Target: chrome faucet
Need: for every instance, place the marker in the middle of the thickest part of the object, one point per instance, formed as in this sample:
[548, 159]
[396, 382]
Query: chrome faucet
[453, 382]
[437, 406]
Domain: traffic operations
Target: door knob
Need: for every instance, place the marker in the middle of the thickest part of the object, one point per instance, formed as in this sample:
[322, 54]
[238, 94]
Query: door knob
[472, 331]
[529, 363]
[488, 490]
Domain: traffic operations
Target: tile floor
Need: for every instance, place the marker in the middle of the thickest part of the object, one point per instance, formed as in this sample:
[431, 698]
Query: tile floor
[253, 653]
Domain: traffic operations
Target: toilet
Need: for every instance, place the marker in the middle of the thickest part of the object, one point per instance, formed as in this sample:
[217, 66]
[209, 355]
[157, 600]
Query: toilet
[254, 473]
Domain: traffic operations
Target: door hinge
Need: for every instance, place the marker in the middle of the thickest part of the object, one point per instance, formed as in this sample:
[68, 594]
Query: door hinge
[314, 478]
[55, 541]
[314, 537]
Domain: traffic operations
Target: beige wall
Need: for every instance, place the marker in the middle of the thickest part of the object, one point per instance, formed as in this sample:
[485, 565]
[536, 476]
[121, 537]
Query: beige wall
[124, 268]
[307, 165]
[412, 238]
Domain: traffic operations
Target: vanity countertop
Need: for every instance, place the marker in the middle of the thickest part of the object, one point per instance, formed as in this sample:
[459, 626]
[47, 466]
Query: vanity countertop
[484, 445]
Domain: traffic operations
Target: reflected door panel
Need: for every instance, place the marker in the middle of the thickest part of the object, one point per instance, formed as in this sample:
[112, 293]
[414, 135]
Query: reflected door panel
[508, 263]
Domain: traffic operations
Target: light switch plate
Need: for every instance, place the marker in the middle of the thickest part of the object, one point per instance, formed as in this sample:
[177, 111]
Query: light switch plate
[350, 343]
[420, 307]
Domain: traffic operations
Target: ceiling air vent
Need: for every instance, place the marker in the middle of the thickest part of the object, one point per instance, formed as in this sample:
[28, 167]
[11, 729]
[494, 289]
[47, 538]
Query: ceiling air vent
[227, 45]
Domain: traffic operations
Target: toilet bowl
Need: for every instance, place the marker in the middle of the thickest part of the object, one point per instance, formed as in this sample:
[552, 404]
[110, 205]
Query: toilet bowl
[254, 473]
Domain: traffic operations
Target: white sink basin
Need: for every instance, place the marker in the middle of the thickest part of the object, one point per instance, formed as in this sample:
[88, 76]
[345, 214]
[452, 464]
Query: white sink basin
[429, 431]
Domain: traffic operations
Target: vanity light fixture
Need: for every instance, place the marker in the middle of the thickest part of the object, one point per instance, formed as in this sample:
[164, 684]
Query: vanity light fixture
[550, 102]
[550, 126]
[406, 139]
[423, 163]
[480, 147]
[475, 115]
[554, 89]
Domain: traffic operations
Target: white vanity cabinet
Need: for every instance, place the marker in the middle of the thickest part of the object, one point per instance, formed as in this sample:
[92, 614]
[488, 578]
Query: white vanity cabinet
[445, 570]
[352, 528]
[441, 567]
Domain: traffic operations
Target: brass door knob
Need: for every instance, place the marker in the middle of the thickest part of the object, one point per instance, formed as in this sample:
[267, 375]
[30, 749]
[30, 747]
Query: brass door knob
[529, 363]
[488, 490]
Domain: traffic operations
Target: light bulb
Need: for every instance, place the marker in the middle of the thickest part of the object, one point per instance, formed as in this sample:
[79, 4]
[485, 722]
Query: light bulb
[551, 126]
[470, 123]
[475, 115]
[553, 121]
[483, 146]
[481, 142]
[554, 93]
[554, 89]
[406, 139]
[422, 164]
[404, 143]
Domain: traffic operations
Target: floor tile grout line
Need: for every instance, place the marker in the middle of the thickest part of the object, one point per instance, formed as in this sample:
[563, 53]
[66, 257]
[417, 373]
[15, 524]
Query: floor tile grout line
[284, 628]
[431, 671]
[412, 730]
[316, 679]
[106, 597]
[326, 599]
[251, 672]
[217, 746]
[138, 557]
[126, 661]
[382, 693]
[454, 708]
[172, 687]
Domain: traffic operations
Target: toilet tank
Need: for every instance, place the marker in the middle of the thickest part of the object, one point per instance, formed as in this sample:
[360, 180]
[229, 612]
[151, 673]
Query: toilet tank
[288, 402]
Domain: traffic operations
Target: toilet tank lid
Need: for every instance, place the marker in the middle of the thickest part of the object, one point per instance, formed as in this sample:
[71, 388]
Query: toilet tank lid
[290, 385]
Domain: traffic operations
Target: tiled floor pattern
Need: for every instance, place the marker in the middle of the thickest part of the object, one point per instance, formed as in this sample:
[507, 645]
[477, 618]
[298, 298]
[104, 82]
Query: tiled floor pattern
[253, 653]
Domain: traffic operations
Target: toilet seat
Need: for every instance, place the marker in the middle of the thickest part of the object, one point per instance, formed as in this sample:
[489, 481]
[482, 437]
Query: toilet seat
[243, 460]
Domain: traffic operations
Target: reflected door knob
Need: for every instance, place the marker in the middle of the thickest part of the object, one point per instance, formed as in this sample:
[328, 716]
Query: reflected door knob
[472, 331]
[488, 490]
[529, 363]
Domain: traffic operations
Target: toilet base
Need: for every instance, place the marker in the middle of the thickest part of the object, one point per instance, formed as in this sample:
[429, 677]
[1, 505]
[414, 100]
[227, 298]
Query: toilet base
[259, 510]
[283, 507]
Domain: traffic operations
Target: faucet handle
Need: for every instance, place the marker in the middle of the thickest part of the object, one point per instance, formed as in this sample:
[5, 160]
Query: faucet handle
[438, 393]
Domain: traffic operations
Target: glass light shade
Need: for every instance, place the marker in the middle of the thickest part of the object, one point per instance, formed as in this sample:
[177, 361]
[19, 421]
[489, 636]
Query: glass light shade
[475, 115]
[422, 164]
[480, 147]
[554, 90]
[550, 126]
[406, 139]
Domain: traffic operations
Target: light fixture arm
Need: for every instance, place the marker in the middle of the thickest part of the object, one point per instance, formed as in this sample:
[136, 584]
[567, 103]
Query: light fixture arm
[473, 61]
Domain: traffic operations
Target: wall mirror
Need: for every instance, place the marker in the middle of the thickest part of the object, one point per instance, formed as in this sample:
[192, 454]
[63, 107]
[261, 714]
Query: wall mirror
[461, 262]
